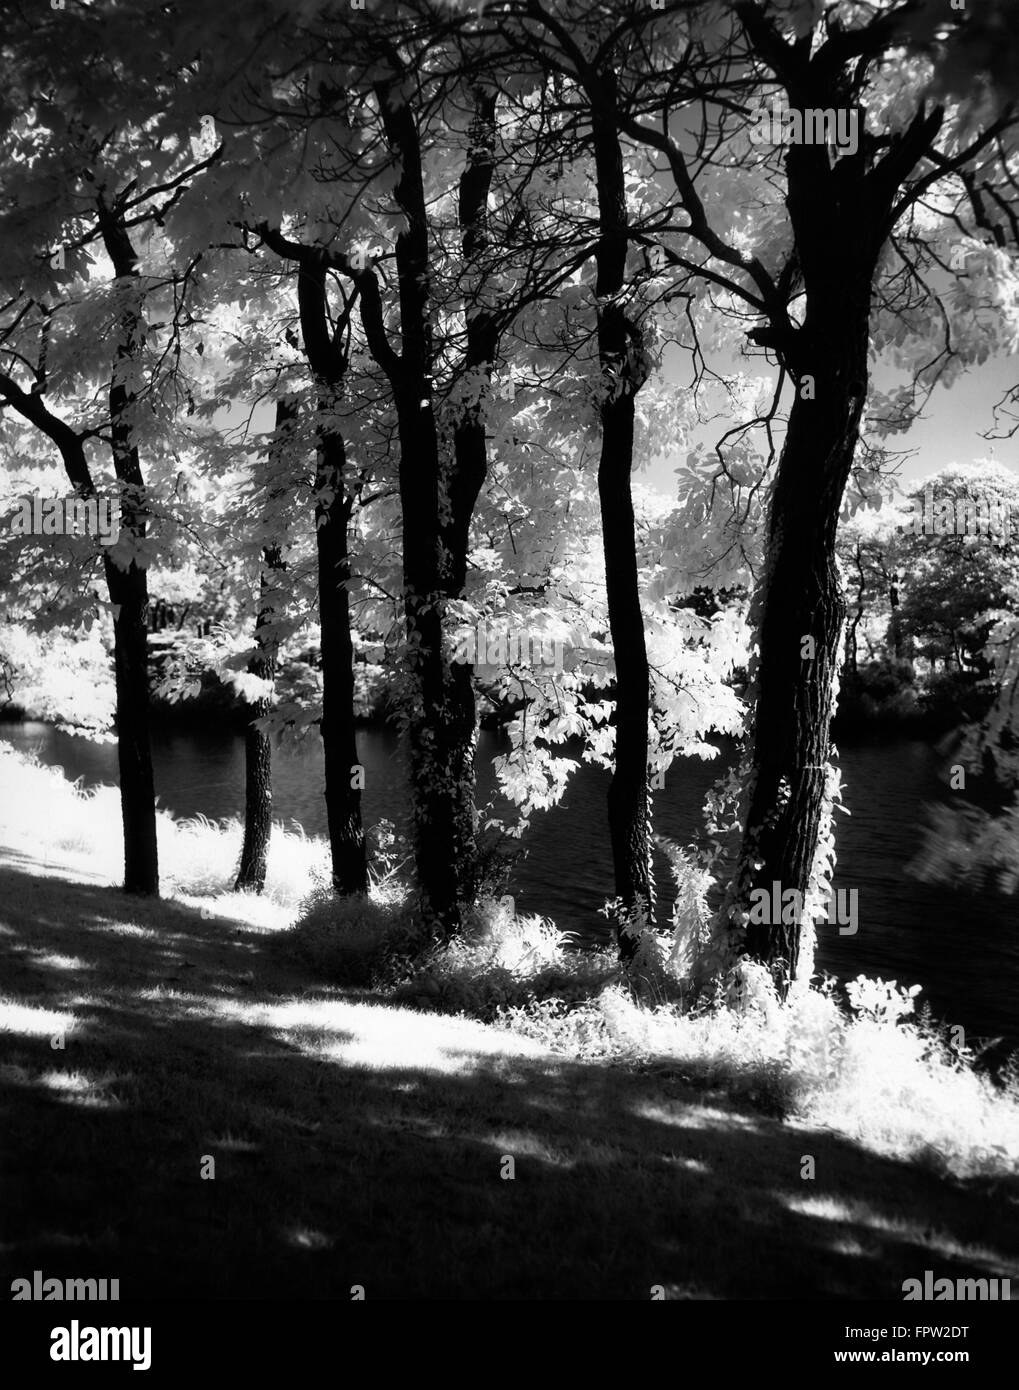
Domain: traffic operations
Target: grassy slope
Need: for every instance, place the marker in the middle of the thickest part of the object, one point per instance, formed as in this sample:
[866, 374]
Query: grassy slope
[359, 1144]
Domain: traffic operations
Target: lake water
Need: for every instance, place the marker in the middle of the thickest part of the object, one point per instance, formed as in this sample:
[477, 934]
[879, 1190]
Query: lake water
[962, 946]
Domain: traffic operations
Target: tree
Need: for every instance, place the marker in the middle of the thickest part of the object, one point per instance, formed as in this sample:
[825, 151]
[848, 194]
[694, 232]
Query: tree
[819, 286]
[960, 560]
[420, 136]
[869, 550]
[583, 73]
[104, 189]
[327, 353]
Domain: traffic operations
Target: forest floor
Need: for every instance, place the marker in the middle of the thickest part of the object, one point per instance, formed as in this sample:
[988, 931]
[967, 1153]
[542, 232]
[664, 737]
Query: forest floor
[359, 1144]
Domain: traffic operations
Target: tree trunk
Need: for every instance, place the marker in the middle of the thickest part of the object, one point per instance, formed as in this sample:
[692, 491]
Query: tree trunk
[628, 795]
[257, 783]
[129, 595]
[801, 612]
[347, 848]
[841, 215]
[348, 852]
[257, 746]
[894, 624]
[460, 727]
[470, 468]
[440, 725]
[129, 589]
[623, 375]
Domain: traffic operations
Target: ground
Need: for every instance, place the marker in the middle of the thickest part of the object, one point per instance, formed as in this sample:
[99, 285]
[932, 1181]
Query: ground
[358, 1144]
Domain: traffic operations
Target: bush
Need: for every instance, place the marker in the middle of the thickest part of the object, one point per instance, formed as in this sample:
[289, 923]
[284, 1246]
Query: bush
[350, 941]
[955, 697]
[881, 693]
[501, 959]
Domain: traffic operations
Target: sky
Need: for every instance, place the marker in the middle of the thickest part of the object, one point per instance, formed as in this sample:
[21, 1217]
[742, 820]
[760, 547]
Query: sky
[949, 431]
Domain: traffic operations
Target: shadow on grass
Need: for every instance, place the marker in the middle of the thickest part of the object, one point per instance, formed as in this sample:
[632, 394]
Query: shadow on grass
[359, 1144]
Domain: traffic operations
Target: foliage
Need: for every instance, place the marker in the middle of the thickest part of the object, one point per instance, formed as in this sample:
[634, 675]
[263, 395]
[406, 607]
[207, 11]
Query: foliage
[874, 1074]
[502, 959]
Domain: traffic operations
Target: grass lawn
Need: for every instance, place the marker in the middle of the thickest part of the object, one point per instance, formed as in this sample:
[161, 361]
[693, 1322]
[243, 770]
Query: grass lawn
[356, 1143]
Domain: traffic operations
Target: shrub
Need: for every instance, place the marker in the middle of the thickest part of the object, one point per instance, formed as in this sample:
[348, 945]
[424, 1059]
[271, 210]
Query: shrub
[350, 940]
[501, 959]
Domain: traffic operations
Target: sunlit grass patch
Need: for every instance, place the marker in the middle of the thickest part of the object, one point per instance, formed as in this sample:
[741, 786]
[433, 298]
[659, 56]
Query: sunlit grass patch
[374, 1036]
[876, 1074]
[128, 929]
[83, 1088]
[232, 1143]
[52, 960]
[30, 1021]
[311, 1240]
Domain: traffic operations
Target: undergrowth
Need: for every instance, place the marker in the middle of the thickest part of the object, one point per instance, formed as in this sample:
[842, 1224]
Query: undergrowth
[872, 1069]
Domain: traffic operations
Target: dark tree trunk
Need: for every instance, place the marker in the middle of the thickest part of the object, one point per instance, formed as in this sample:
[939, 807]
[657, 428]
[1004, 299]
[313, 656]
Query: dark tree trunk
[801, 613]
[841, 214]
[619, 346]
[129, 596]
[348, 851]
[347, 847]
[257, 745]
[470, 468]
[257, 788]
[461, 729]
[894, 622]
[129, 589]
[628, 795]
[438, 728]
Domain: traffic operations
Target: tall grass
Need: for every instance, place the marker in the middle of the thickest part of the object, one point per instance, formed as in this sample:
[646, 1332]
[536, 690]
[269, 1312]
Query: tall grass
[43, 812]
